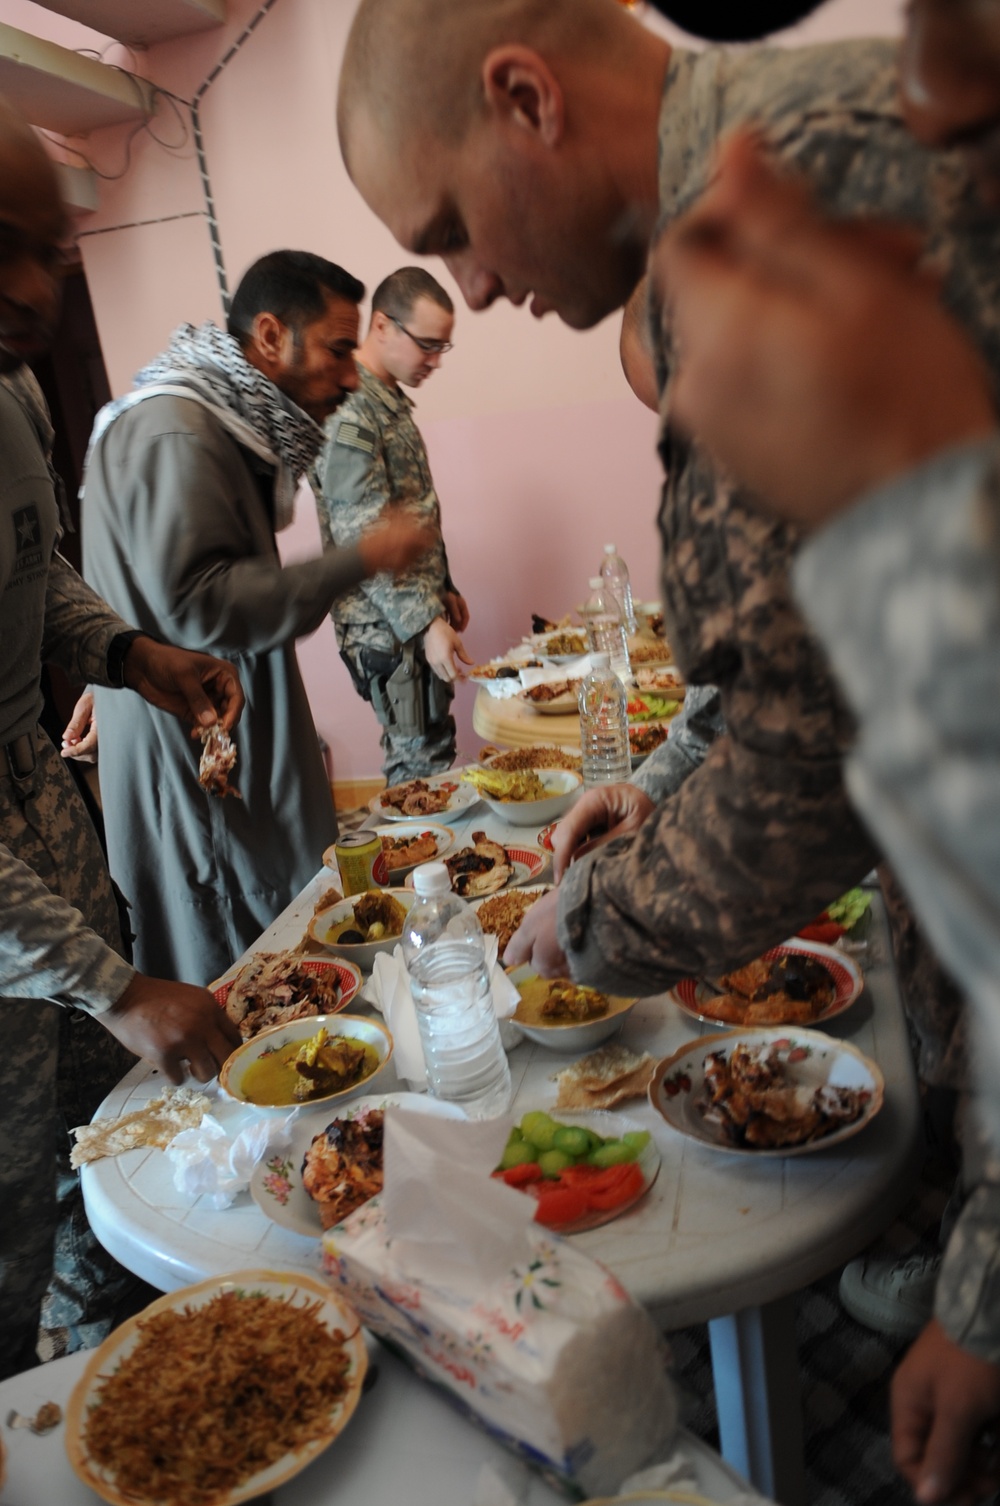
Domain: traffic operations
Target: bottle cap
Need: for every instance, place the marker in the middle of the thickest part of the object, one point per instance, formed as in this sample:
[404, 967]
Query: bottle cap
[597, 661]
[431, 880]
[610, 549]
[596, 582]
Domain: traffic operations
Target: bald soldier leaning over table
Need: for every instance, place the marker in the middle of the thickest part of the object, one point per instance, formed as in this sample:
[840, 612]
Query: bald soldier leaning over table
[538, 172]
[62, 972]
[762, 836]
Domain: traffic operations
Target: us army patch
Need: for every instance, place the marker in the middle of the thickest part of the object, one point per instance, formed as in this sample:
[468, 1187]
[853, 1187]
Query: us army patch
[355, 437]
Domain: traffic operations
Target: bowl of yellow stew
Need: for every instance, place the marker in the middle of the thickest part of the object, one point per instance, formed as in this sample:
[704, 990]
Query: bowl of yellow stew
[324, 1059]
[563, 1015]
[360, 927]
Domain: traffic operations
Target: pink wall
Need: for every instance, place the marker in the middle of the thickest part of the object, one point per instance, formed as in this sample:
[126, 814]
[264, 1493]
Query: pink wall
[539, 452]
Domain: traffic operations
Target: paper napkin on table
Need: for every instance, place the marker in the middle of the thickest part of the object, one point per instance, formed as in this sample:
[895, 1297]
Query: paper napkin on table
[388, 989]
[451, 1224]
[209, 1161]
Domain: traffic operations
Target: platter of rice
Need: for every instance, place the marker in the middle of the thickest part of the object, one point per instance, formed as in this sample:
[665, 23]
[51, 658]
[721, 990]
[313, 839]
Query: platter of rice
[216, 1393]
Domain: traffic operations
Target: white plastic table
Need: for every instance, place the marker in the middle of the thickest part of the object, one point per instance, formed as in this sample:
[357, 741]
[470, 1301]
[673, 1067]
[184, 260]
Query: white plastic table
[404, 1446]
[721, 1239]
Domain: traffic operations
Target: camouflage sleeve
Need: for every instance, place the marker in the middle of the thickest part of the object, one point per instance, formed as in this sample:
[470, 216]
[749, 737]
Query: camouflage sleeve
[79, 626]
[355, 490]
[905, 592]
[692, 732]
[967, 1296]
[46, 950]
[697, 889]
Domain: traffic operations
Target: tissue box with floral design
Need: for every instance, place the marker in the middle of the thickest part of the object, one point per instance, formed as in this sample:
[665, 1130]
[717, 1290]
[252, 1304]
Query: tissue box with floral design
[555, 1358]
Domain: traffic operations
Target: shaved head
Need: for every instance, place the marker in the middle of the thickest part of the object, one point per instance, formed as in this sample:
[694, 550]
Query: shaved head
[516, 139]
[419, 61]
[32, 227]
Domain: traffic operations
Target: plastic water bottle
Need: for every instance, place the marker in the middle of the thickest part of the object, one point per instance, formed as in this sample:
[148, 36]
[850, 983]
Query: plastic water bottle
[605, 628]
[446, 960]
[604, 725]
[614, 573]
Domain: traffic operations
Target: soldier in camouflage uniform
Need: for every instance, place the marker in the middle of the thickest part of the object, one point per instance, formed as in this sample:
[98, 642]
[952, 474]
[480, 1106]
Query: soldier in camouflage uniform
[399, 638]
[61, 966]
[895, 452]
[771, 788]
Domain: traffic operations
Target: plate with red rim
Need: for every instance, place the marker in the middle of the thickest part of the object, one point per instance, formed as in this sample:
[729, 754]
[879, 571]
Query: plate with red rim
[347, 975]
[527, 862]
[691, 995]
[678, 1093]
[610, 1126]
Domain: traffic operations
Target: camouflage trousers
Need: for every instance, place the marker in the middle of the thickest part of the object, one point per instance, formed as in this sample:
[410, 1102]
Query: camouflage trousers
[404, 756]
[56, 1065]
[935, 1008]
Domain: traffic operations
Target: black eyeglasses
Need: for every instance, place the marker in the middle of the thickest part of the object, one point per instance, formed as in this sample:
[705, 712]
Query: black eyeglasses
[431, 347]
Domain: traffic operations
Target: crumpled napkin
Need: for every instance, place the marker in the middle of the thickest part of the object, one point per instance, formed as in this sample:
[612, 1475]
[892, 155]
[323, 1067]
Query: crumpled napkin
[210, 1162]
[388, 989]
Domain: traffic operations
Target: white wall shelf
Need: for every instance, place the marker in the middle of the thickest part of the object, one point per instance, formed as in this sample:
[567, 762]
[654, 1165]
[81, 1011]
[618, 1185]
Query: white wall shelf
[65, 92]
[141, 23]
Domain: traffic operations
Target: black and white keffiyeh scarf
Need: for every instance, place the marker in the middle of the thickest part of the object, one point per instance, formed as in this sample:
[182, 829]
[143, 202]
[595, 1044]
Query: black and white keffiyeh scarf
[207, 365]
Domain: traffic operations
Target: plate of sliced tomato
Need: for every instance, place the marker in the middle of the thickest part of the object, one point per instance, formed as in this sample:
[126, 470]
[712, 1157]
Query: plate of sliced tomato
[582, 1168]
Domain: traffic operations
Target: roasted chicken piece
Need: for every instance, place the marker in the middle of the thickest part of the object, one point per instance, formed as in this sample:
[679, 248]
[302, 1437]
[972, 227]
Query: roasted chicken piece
[378, 914]
[218, 759]
[343, 1166]
[482, 868]
[568, 1001]
[326, 1064]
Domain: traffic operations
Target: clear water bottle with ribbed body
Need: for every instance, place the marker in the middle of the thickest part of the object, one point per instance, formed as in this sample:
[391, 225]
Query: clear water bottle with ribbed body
[614, 573]
[604, 725]
[446, 959]
[605, 628]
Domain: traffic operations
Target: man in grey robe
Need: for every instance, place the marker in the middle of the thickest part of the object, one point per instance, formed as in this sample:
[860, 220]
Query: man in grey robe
[188, 480]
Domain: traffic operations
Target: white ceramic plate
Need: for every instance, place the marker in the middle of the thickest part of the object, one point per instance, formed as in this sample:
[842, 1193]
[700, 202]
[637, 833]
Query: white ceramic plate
[276, 1185]
[677, 1090]
[563, 705]
[333, 1313]
[691, 995]
[527, 862]
[462, 798]
[610, 1125]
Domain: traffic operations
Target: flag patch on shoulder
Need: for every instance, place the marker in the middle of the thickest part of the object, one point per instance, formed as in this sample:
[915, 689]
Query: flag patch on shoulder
[355, 437]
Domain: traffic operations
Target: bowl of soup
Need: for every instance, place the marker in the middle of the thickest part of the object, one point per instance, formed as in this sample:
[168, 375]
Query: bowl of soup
[324, 1059]
[360, 927]
[563, 1015]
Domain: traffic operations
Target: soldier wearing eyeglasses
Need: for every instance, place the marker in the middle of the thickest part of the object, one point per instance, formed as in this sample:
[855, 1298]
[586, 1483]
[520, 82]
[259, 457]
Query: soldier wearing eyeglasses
[398, 637]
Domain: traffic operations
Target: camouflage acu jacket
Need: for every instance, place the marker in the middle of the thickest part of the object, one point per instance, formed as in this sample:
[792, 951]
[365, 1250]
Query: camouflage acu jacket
[905, 591]
[763, 835]
[50, 861]
[375, 455]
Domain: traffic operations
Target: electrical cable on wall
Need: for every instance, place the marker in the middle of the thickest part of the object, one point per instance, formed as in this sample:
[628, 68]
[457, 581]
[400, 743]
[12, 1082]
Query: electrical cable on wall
[206, 183]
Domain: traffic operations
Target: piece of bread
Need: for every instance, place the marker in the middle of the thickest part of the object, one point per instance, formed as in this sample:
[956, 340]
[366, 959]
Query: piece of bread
[163, 1117]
